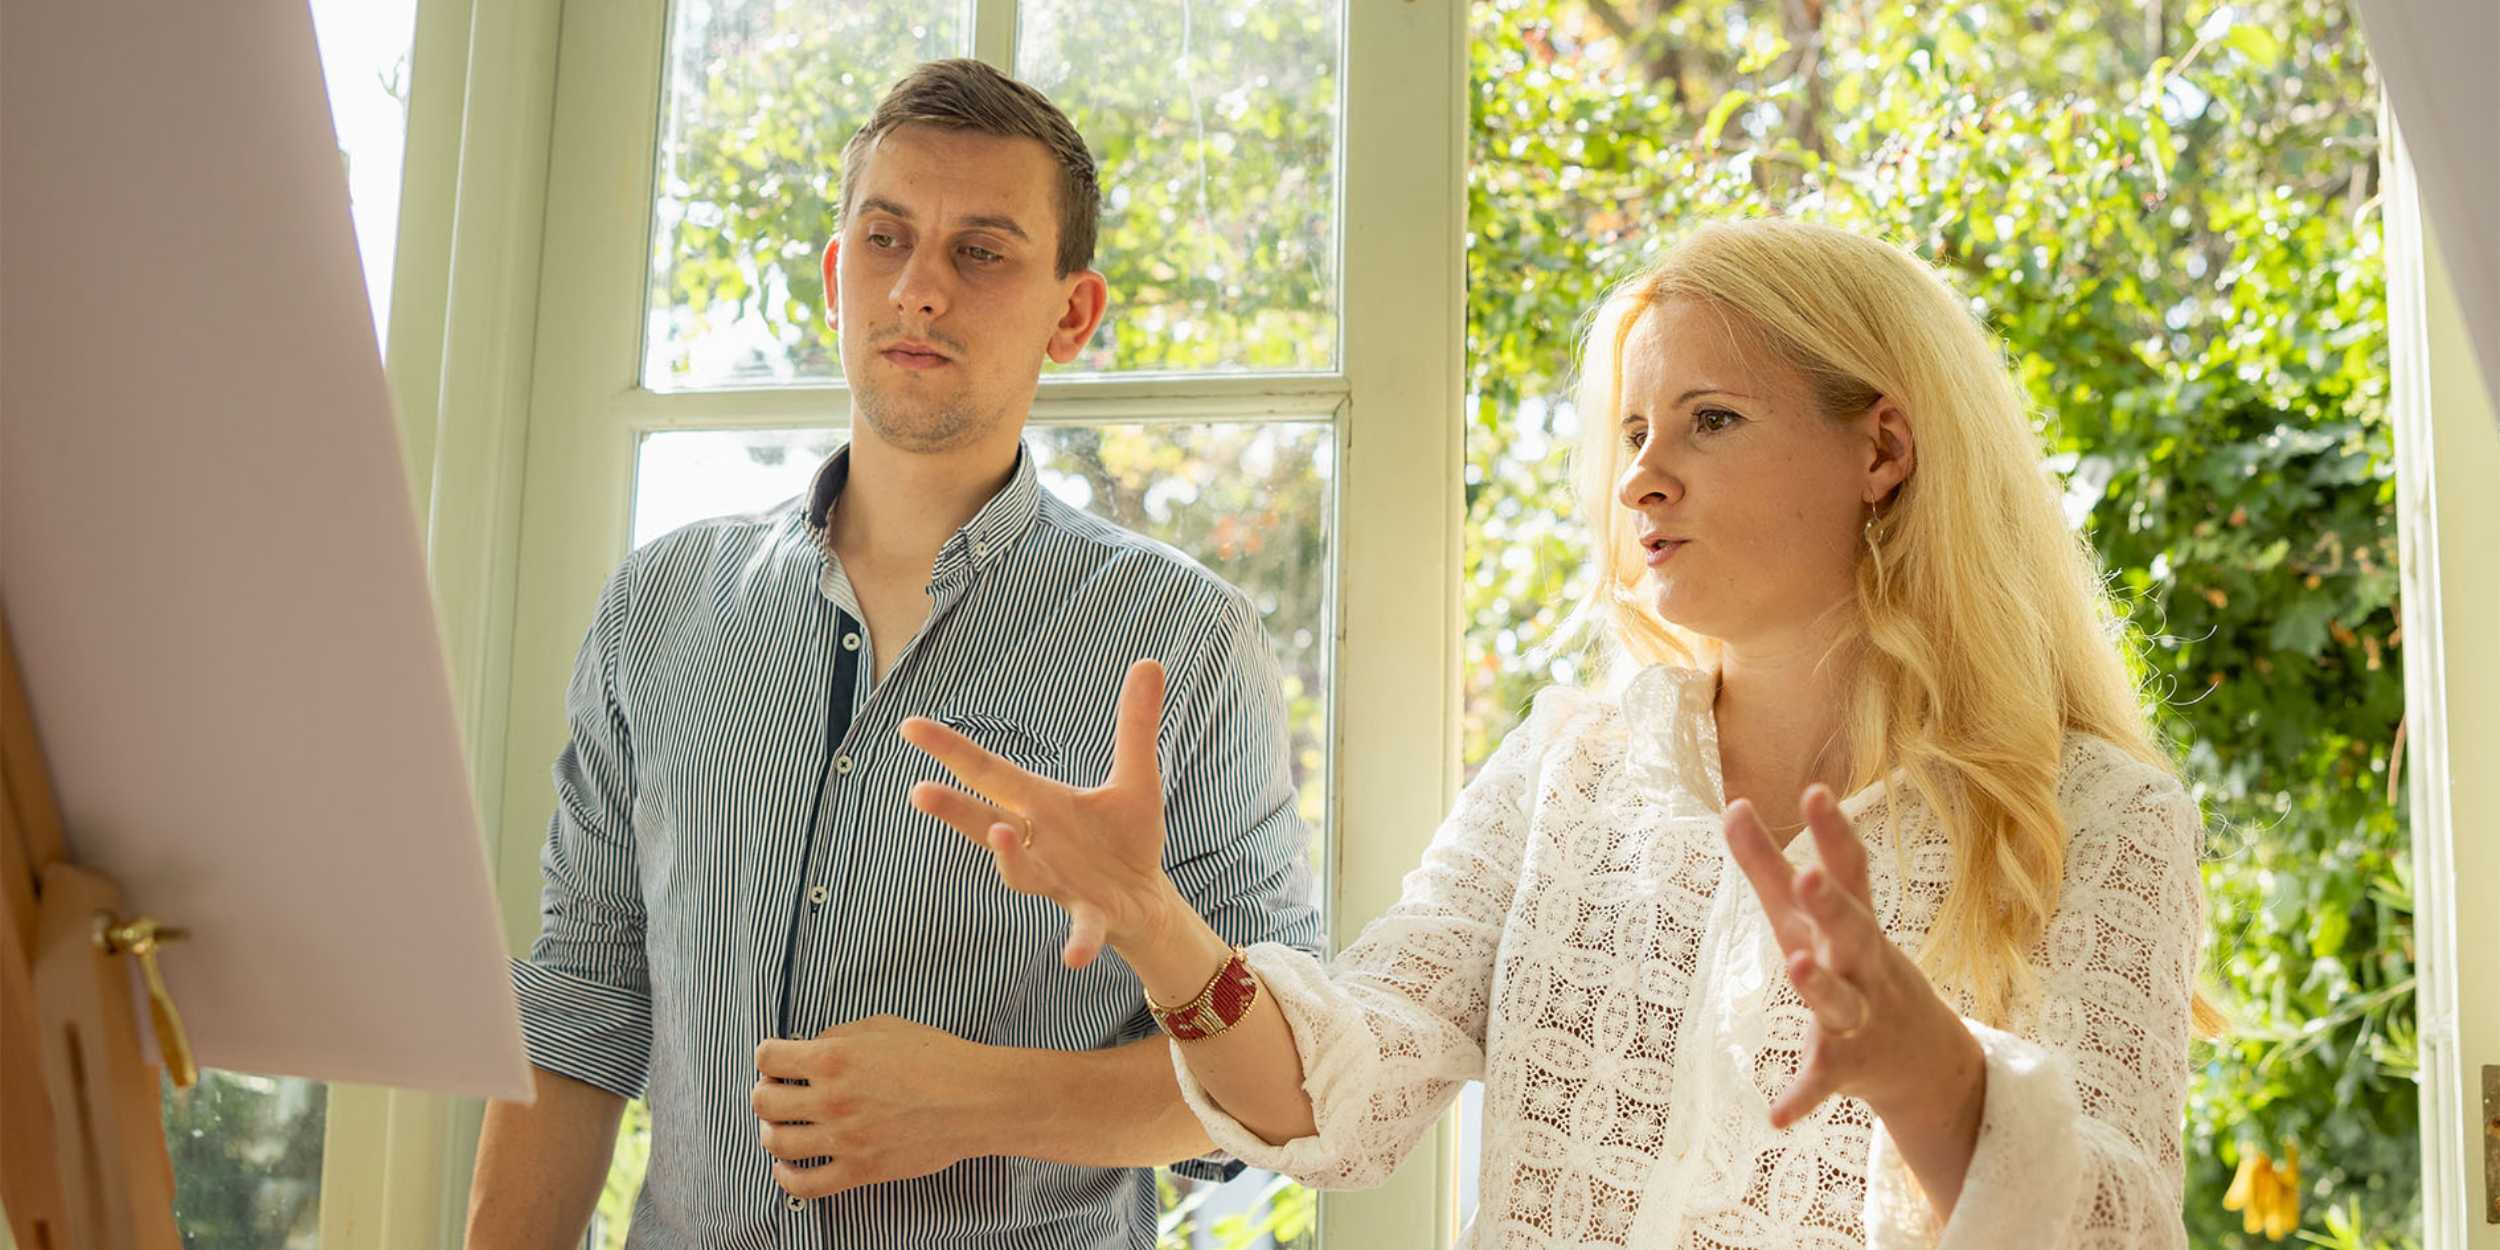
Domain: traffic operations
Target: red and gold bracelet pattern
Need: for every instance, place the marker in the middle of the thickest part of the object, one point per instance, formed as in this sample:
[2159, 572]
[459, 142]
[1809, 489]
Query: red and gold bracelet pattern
[1219, 1006]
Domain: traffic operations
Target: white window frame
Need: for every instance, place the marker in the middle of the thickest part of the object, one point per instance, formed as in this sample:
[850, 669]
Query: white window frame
[395, 1163]
[518, 376]
[2448, 516]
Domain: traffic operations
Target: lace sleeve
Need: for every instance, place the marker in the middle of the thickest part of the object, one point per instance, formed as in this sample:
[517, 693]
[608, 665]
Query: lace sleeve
[1390, 1030]
[2079, 1141]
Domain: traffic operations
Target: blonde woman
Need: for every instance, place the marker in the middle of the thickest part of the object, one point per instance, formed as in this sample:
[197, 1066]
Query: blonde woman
[1713, 1006]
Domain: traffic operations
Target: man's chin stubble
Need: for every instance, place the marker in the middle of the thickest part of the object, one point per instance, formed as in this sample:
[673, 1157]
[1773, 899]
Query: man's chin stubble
[948, 427]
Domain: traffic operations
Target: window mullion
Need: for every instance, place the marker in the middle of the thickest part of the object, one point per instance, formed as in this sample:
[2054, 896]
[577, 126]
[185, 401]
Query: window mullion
[1149, 401]
[1400, 515]
[994, 33]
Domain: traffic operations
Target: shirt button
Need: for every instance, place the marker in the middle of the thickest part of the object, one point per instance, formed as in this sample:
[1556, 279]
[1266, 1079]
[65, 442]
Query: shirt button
[842, 764]
[850, 642]
[817, 894]
[980, 551]
[797, 1203]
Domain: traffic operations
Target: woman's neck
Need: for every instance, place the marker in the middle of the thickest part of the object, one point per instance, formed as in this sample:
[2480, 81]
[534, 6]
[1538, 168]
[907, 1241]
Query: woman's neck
[1782, 720]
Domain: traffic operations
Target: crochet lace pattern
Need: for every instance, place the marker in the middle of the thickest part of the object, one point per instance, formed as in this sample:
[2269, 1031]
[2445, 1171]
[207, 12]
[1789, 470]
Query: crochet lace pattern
[1578, 939]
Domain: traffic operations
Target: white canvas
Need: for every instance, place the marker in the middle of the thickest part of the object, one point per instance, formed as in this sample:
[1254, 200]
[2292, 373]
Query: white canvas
[208, 557]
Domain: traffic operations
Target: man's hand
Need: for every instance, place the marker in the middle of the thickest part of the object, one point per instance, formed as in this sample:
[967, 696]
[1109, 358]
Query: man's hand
[881, 1099]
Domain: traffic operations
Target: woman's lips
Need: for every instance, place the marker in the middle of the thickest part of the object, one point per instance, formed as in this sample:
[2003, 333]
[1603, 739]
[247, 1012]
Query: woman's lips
[1663, 552]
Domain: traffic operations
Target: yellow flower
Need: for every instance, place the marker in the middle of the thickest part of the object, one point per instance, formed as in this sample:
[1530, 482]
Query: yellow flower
[2266, 1193]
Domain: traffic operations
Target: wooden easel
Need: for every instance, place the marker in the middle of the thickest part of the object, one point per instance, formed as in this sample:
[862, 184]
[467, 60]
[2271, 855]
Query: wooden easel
[82, 1133]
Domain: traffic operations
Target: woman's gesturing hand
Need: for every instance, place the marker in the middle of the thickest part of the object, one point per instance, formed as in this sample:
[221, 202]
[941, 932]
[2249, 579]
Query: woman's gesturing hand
[1881, 1032]
[1097, 852]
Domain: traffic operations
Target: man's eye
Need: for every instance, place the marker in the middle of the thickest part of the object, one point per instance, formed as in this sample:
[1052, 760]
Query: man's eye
[981, 254]
[878, 238]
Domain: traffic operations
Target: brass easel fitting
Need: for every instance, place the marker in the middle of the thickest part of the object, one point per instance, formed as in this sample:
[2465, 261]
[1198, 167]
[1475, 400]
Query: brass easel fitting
[141, 937]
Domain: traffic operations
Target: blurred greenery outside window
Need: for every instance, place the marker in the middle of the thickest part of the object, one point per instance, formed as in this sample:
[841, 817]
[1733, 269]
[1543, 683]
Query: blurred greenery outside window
[2169, 213]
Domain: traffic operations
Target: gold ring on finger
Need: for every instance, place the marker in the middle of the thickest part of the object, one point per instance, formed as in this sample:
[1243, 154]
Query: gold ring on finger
[1865, 1016]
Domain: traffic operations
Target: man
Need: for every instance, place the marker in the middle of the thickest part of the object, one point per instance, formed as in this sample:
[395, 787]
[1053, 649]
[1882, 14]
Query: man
[734, 859]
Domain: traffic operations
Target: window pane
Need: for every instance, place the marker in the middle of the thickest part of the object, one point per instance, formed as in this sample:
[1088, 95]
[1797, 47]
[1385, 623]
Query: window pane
[364, 62]
[1252, 501]
[1216, 127]
[760, 96]
[246, 1152]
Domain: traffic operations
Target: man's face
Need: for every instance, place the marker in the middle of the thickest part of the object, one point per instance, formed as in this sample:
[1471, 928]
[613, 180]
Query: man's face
[944, 286]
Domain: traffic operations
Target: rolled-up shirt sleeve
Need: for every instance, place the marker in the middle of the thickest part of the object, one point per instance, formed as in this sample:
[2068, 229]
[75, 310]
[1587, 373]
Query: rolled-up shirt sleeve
[585, 987]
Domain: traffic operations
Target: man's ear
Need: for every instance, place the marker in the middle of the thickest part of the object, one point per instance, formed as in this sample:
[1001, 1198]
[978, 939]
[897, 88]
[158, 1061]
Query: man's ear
[1089, 294]
[1892, 451]
[833, 293]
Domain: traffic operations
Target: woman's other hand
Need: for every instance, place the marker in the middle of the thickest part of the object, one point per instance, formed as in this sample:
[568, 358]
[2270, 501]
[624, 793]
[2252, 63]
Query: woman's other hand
[1881, 1032]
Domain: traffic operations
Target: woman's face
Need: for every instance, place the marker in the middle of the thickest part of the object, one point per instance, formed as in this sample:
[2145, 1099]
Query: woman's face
[1747, 500]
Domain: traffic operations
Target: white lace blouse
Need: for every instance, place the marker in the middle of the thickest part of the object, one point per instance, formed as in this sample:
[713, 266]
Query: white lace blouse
[1578, 939]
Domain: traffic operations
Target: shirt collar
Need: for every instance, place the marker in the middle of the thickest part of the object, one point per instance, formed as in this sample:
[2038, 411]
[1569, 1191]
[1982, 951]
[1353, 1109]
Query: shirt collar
[981, 541]
[1674, 743]
[1673, 717]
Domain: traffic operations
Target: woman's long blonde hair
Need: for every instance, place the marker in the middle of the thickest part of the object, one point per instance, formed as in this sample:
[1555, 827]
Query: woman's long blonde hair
[1986, 634]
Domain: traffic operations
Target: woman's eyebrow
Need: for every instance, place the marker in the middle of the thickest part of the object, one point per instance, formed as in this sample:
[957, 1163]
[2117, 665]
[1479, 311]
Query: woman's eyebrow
[1699, 391]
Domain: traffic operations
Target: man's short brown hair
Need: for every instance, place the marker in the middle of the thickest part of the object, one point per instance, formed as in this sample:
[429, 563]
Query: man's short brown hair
[963, 94]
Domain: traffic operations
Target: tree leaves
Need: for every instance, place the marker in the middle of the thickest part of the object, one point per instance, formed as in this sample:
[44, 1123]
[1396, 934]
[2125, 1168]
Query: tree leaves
[2165, 237]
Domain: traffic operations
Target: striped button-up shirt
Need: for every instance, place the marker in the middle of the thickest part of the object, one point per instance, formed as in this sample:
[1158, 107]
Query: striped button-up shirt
[732, 856]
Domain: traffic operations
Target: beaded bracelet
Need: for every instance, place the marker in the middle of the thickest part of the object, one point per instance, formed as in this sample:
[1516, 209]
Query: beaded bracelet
[1219, 1006]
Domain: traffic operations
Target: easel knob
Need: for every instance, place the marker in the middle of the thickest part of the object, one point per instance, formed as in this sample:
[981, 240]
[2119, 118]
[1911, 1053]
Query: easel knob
[141, 937]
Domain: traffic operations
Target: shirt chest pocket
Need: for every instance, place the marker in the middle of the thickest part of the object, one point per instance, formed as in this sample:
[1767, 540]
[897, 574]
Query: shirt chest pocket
[951, 922]
[1025, 748]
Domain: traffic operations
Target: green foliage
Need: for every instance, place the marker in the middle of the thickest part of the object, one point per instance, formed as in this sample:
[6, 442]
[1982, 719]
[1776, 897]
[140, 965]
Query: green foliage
[2164, 211]
[246, 1152]
[615, 1212]
[1284, 1215]
[1213, 127]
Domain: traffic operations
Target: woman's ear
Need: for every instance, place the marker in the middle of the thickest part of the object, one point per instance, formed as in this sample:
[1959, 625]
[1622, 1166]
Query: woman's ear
[1892, 451]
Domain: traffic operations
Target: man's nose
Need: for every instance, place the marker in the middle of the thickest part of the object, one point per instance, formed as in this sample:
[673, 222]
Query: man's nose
[921, 286]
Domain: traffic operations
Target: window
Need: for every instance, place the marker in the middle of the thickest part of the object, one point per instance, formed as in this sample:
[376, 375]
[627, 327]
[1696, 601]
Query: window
[1217, 238]
[683, 369]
